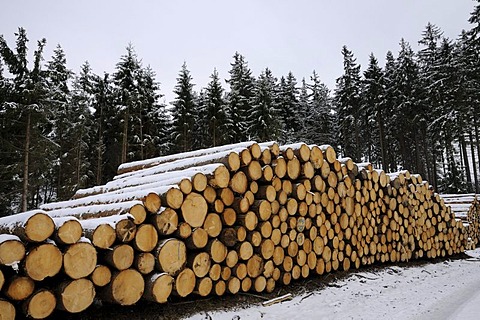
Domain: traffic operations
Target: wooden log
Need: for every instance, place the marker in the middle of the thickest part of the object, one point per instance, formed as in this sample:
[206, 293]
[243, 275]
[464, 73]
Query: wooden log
[42, 261]
[226, 195]
[7, 310]
[184, 230]
[19, 287]
[245, 250]
[103, 232]
[186, 185]
[79, 259]
[239, 183]
[220, 287]
[40, 304]
[158, 287]
[263, 209]
[212, 225]
[31, 226]
[198, 239]
[12, 250]
[266, 192]
[125, 288]
[293, 168]
[209, 194]
[146, 238]
[280, 167]
[194, 209]
[171, 256]
[217, 250]
[101, 275]
[255, 266]
[75, 295]
[248, 220]
[200, 264]
[144, 262]
[228, 236]
[229, 216]
[328, 153]
[120, 257]
[152, 202]
[166, 221]
[203, 287]
[184, 283]
[68, 230]
[233, 285]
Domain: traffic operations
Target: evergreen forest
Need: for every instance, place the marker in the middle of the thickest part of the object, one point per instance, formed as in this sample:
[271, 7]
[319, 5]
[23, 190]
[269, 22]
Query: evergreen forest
[62, 130]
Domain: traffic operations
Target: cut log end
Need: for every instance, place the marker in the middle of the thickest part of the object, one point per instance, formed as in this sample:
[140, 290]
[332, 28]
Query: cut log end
[79, 260]
[40, 304]
[39, 227]
[194, 209]
[76, 296]
[43, 261]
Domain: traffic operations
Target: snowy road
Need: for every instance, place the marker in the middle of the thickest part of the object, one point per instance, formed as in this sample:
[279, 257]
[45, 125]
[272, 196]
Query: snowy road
[444, 290]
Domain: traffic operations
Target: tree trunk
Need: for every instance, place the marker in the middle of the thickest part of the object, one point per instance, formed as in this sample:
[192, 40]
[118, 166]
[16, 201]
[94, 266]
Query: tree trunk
[381, 130]
[472, 149]
[26, 160]
[463, 144]
[125, 138]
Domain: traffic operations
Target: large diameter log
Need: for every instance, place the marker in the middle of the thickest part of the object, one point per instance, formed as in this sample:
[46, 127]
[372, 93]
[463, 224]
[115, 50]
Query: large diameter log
[328, 153]
[12, 250]
[40, 304]
[239, 183]
[79, 259]
[184, 282]
[19, 288]
[76, 295]
[42, 261]
[194, 209]
[68, 230]
[101, 275]
[125, 288]
[171, 256]
[32, 226]
[158, 287]
[152, 202]
[220, 177]
[7, 310]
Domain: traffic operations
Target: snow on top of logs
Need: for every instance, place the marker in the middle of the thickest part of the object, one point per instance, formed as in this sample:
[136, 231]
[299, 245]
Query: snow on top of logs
[460, 198]
[110, 220]
[166, 175]
[58, 209]
[8, 237]
[142, 164]
[61, 220]
[13, 220]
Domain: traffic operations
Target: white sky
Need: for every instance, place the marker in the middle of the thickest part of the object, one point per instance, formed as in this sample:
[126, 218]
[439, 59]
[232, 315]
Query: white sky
[297, 36]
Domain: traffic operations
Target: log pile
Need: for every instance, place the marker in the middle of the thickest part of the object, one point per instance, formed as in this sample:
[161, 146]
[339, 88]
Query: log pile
[237, 218]
[467, 208]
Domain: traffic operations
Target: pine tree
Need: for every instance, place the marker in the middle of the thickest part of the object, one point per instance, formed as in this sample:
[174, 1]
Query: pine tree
[348, 104]
[239, 99]
[183, 112]
[264, 121]
[389, 102]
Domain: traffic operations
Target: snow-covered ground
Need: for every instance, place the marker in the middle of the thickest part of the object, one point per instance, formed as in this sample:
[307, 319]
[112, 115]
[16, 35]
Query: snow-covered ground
[442, 290]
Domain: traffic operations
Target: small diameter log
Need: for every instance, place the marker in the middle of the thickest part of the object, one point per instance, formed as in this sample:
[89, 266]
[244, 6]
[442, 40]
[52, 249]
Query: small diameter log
[32, 226]
[220, 177]
[255, 266]
[185, 185]
[184, 230]
[212, 225]
[19, 288]
[101, 276]
[200, 264]
[328, 153]
[184, 282]
[7, 310]
[120, 256]
[173, 198]
[171, 256]
[68, 230]
[228, 236]
[146, 238]
[76, 295]
[270, 302]
[199, 183]
[217, 250]
[203, 286]
[233, 285]
[239, 183]
[139, 213]
[40, 304]
[152, 202]
[198, 239]
[229, 216]
[194, 209]
[293, 168]
[12, 250]
[79, 259]
[267, 192]
[144, 262]
[226, 195]
[125, 288]
[44, 260]
[158, 287]
[166, 221]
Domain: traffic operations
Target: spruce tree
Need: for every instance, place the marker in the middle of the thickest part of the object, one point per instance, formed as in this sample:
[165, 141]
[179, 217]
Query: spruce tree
[239, 99]
[183, 113]
[289, 107]
[348, 105]
[217, 126]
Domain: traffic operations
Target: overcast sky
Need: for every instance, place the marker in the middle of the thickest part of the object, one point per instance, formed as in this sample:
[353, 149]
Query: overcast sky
[297, 36]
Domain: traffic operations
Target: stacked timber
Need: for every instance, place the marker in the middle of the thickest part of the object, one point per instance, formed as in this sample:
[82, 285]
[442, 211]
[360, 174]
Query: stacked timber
[467, 208]
[236, 218]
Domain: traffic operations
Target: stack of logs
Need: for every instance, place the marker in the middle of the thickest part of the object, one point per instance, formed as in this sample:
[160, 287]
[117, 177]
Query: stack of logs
[467, 208]
[237, 218]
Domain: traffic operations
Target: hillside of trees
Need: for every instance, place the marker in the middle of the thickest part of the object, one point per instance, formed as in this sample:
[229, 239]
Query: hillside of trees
[61, 131]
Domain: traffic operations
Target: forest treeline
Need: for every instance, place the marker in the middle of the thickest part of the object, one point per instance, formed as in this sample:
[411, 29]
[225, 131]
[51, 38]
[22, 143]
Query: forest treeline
[61, 131]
